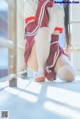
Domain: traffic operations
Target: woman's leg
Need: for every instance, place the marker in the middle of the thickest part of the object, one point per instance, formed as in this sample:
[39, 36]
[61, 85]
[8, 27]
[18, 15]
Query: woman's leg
[40, 52]
[42, 41]
[32, 60]
[64, 69]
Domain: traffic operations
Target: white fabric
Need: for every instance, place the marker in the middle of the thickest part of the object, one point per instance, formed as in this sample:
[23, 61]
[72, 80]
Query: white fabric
[42, 39]
[66, 73]
[56, 17]
[30, 7]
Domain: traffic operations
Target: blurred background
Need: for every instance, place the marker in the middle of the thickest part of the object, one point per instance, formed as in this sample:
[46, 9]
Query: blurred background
[3, 36]
[12, 38]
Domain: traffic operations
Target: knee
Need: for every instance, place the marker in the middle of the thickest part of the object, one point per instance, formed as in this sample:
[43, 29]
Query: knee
[67, 73]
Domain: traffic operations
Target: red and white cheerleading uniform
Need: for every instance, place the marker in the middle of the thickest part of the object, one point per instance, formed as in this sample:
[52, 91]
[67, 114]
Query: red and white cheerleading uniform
[44, 13]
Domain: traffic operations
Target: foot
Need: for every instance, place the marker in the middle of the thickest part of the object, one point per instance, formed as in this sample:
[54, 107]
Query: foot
[40, 79]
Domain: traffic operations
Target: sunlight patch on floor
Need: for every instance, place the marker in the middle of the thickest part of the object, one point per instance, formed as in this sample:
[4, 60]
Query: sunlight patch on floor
[64, 96]
[13, 91]
[34, 87]
[21, 83]
[61, 109]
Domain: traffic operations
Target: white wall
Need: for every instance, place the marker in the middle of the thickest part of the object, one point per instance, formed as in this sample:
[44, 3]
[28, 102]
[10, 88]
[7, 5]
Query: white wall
[75, 34]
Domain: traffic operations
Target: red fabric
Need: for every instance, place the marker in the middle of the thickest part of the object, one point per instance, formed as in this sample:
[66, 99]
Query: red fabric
[52, 75]
[32, 25]
[59, 29]
[29, 19]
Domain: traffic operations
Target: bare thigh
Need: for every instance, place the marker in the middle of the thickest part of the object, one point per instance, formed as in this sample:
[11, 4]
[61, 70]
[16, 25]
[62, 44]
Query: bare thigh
[62, 61]
[32, 61]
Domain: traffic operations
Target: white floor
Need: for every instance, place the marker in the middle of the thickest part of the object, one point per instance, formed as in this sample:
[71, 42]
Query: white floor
[48, 100]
